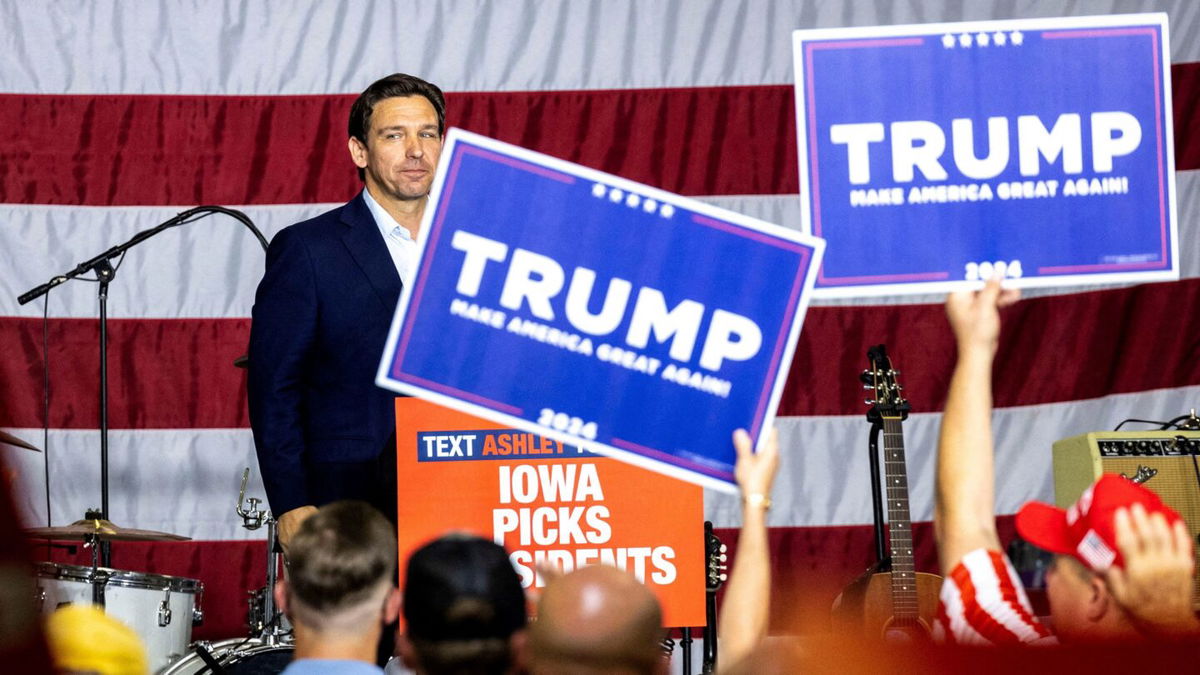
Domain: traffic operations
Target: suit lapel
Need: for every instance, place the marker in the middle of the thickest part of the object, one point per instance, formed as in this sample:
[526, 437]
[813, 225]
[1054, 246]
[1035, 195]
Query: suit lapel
[365, 243]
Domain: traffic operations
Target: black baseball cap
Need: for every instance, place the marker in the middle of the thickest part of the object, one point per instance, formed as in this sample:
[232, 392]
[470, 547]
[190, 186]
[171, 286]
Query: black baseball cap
[462, 587]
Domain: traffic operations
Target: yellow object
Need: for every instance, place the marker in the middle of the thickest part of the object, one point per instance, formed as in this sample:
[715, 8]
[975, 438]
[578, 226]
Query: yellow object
[84, 638]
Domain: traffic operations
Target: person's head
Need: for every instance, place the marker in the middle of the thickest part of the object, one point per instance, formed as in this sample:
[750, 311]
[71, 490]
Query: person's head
[83, 639]
[464, 607]
[597, 620]
[341, 563]
[396, 128]
[1084, 541]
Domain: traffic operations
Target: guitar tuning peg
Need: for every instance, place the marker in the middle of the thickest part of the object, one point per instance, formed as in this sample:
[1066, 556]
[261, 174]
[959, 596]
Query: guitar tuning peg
[722, 557]
[723, 548]
[868, 387]
[724, 577]
[869, 401]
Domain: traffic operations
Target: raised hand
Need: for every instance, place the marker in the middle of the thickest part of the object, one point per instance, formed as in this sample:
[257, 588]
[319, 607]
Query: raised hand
[1155, 584]
[975, 315]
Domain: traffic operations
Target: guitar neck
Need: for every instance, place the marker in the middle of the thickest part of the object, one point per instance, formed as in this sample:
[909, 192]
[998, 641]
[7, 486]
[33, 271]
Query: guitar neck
[904, 580]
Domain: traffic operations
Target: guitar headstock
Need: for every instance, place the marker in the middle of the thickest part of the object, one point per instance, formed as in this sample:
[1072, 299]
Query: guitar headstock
[882, 381]
[714, 560]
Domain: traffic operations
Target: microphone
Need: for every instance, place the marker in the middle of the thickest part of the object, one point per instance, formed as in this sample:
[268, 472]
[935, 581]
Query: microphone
[40, 290]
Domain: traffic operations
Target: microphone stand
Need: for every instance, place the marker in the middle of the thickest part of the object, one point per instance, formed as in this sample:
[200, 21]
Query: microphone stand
[105, 272]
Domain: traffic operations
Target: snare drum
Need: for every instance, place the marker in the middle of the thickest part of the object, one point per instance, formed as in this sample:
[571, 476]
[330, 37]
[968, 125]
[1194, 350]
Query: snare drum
[239, 656]
[160, 609]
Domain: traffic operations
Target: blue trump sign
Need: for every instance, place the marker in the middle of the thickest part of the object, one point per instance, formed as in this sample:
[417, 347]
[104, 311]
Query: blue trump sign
[598, 312]
[935, 156]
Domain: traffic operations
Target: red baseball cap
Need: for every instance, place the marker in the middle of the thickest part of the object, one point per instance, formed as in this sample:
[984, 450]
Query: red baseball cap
[1088, 529]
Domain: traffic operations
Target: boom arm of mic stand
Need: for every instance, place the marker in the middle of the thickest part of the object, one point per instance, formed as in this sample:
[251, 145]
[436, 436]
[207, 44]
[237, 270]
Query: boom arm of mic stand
[93, 263]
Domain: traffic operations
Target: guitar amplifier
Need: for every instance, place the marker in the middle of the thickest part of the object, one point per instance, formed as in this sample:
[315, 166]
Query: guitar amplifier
[1167, 462]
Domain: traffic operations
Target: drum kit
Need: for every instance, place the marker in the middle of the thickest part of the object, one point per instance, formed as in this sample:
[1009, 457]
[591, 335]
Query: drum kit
[163, 609]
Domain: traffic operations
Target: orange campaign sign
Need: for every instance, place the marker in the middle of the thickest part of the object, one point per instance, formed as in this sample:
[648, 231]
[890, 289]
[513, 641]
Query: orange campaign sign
[548, 504]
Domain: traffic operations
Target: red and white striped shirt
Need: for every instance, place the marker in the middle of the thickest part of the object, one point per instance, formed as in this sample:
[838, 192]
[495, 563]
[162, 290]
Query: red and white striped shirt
[984, 603]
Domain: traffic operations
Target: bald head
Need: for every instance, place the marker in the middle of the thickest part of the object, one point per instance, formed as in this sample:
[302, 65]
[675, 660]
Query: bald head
[596, 620]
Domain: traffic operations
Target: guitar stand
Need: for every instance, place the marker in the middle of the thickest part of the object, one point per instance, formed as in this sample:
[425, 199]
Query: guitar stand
[883, 560]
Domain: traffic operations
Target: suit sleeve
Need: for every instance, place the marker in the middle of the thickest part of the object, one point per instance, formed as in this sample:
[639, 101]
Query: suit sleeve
[282, 337]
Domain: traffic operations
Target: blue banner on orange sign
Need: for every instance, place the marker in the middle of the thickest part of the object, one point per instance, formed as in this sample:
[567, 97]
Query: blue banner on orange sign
[598, 312]
[454, 446]
[1038, 150]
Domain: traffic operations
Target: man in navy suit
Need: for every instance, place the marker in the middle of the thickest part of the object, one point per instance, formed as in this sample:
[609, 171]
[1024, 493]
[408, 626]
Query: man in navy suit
[323, 308]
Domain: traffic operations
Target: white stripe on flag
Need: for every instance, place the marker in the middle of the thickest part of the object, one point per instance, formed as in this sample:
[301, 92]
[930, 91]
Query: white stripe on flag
[254, 47]
[186, 480]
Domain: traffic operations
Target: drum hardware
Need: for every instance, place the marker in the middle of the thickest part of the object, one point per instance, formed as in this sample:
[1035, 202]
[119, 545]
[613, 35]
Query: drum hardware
[269, 625]
[233, 657]
[203, 649]
[198, 608]
[164, 610]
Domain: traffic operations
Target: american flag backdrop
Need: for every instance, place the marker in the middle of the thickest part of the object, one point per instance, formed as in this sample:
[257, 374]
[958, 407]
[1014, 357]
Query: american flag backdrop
[114, 116]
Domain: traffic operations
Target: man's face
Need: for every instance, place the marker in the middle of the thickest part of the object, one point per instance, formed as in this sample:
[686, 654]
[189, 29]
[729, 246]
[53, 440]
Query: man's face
[1069, 590]
[402, 149]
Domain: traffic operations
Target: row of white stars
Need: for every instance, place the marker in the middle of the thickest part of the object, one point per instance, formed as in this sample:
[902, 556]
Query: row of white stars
[633, 201]
[999, 38]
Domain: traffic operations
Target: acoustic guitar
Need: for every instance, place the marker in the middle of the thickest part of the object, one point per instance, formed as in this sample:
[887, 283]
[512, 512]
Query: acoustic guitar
[894, 601]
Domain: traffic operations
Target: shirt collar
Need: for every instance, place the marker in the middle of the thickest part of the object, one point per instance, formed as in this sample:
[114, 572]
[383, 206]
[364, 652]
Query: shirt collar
[388, 226]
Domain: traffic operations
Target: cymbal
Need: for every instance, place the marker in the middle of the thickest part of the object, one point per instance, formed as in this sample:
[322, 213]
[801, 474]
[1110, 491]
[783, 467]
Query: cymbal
[80, 530]
[8, 438]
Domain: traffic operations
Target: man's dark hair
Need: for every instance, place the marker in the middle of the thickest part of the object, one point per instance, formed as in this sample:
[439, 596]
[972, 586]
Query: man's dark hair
[340, 557]
[392, 86]
[462, 603]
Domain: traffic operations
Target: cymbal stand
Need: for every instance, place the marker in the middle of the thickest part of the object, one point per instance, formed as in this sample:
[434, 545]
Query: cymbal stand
[252, 519]
[93, 543]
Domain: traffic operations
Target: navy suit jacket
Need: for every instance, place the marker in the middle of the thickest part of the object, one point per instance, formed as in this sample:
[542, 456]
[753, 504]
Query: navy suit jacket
[320, 320]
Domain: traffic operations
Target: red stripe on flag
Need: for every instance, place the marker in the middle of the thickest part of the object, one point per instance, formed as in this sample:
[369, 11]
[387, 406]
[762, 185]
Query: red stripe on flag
[1056, 348]
[163, 373]
[1185, 99]
[178, 373]
[159, 150]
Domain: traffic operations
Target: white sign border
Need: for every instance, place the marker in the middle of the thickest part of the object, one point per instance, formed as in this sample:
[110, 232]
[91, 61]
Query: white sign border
[453, 137]
[1160, 19]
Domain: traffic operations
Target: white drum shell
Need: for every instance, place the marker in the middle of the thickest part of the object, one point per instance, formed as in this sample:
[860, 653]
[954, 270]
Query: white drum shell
[158, 608]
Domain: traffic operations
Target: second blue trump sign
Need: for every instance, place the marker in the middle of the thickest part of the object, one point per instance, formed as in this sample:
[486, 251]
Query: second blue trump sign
[939, 155]
[598, 311]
